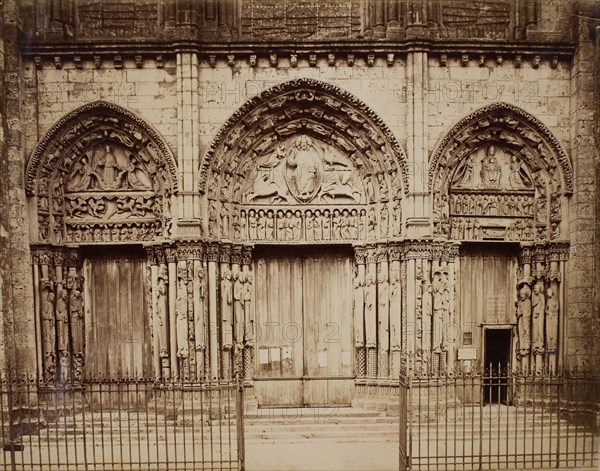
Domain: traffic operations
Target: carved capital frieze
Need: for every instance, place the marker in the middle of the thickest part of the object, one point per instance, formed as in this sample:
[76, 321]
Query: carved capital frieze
[382, 253]
[418, 249]
[247, 254]
[236, 254]
[188, 250]
[360, 254]
[212, 252]
[170, 254]
[41, 256]
[559, 251]
[225, 253]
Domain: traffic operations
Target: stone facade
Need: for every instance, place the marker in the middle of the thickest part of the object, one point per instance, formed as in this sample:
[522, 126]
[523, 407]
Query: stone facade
[416, 133]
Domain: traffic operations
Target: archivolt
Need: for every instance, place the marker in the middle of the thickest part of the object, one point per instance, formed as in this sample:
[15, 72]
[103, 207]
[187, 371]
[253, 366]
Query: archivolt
[504, 123]
[312, 107]
[70, 130]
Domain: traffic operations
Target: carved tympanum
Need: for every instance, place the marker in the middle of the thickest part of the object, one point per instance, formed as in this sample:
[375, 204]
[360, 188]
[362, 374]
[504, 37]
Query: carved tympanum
[499, 174]
[302, 162]
[101, 175]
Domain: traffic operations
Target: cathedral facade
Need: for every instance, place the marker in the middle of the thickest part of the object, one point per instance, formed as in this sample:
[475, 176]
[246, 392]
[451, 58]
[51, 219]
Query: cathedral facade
[313, 195]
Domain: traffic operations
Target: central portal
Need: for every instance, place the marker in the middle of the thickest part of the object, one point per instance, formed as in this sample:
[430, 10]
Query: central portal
[304, 335]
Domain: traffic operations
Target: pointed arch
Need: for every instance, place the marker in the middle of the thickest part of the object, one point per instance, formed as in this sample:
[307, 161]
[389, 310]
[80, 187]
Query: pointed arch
[499, 173]
[517, 123]
[337, 111]
[63, 134]
[303, 154]
[101, 174]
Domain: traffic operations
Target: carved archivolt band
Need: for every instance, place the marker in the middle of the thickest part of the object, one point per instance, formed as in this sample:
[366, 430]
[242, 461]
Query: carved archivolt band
[101, 174]
[499, 174]
[301, 156]
[321, 109]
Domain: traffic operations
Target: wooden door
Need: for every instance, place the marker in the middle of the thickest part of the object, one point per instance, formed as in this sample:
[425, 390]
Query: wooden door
[118, 339]
[304, 346]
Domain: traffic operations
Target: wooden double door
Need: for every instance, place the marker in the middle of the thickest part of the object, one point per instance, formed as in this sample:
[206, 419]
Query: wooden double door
[304, 354]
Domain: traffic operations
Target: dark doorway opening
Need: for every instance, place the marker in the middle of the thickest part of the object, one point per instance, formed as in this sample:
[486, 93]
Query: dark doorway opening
[497, 365]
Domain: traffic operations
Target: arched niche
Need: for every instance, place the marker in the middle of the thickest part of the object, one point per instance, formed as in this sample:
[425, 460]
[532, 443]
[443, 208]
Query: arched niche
[306, 162]
[101, 174]
[500, 174]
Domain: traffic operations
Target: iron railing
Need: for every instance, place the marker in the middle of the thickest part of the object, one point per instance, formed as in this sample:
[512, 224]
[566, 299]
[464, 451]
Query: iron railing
[124, 424]
[499, 419]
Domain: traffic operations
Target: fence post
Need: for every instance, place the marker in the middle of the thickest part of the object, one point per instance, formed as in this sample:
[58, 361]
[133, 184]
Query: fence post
[240, 421]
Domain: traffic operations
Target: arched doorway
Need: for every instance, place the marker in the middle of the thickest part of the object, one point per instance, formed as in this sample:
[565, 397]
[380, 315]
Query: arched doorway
[99, 185]
[307, 165]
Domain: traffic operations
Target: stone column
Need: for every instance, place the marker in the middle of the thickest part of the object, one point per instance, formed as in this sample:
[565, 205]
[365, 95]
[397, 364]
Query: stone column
[226, 311]
[383, 313]
[171, 259]
[371, 311]
[396, 311]
[249, 313]
[523, 308]
[200, 311]
[358, 305]
[237, 311]
[212, 255]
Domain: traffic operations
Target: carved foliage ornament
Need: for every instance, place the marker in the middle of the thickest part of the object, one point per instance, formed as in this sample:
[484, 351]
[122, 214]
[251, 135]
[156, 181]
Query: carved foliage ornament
[101, 174]
[499, 174]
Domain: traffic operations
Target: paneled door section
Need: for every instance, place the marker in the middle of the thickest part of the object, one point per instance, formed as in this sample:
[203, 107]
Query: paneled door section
[304, 334]
[118, 338]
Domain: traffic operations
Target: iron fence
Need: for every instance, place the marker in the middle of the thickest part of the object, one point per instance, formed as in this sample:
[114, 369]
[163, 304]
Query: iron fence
[498, 419]
[124, 424]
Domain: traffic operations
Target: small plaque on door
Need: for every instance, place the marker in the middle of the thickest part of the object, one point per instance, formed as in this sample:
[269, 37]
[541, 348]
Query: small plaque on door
[263, 356]
[322, 359]
[467, 353]
[275, 354]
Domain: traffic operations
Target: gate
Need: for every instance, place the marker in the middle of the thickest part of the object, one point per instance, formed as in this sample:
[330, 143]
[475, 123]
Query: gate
[125, 424]
[498, 419]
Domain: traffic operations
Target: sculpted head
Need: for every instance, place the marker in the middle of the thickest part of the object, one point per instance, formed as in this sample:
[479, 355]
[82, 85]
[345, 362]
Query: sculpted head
[524, 293]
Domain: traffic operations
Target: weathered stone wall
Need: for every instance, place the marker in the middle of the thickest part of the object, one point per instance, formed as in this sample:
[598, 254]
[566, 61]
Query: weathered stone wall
[17, 329]
[188, 94]
[582, 318]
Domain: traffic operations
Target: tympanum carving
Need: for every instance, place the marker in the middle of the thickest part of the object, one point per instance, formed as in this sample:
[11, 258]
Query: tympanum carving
[499, 174]
[302, 162]
[102, 175]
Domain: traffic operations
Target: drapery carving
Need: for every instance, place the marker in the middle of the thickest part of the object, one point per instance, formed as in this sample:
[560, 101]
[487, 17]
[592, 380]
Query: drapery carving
[211, 331]
[103, 175]
[431, 272]
[499, 174]
[377, 310]
[58, 293]
[539, 303]
[304, 161]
